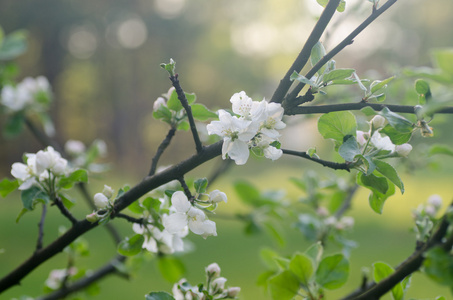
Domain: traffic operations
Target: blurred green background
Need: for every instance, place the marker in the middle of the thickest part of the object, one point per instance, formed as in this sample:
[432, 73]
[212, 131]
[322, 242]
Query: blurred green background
[102, 58]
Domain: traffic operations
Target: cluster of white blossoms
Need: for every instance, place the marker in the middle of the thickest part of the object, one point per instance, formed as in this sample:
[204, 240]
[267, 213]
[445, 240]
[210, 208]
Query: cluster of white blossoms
[380, 142]
[29, 92]
[254, 126]
[215, 287]
[161, 241]
[41, 167]
[186, 215]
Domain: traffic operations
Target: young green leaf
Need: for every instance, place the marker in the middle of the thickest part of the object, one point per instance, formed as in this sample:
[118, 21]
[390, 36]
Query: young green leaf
[333, 271]
[389, 172]
[7, 186]
[337, 74]
[397, 137]
[202, 113]
[159, 296]
[303, 79]
[337, 125]
[398, 122]
[349, 149]
[32, 195]
[283, 286]
[317, 53]
[302, 266]
[13, 45]
[173, 103]
[171, 268]
[382, 271]
[170, 67]
[378, 85]
[67, 182]
[200, 185]
[131, 246]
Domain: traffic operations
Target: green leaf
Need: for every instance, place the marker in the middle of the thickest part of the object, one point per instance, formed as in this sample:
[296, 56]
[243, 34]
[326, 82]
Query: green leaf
[378, 85]
[349, 149]
[170, 67]
[67, 182]
[162, 113]
[7, 186]
[374, 182]
[337, 125]
[268, 256]
[200, 185]
[22, 212]
[382, 271]
[368, 162]
[136, 208]
[315, 253]
[171, 268]
[302, 266]
[377, 186]
[191, 97]
[398, 122]
[14, 125]
[317, 53]
[303, 79]
[444, 60]
[337, 74]
[183, 126]
[248, 193]
[200, 112]
[283, 286]
[13, 45]
[323, 3]
[275, 233]
[333, 271]
[397, 137]
[389, 172]
[173, 103]
[152, 204]
[422, 87]
[32, 195]
[438, 266]
[342, 6]
[440, 149]
[159, 296]
[368, 111]
[131, 246]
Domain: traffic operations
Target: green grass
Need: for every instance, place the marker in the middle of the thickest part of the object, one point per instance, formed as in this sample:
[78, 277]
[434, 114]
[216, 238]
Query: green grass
[383, 237]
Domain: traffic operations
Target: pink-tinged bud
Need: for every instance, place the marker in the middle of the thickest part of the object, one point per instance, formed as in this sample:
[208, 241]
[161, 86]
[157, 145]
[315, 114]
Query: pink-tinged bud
[378, 121]
[322, 211]
[435, 200]
[404, 149]
[101, 201]
[233, 291]
[92, 217]
[362, 137]
[213, 270]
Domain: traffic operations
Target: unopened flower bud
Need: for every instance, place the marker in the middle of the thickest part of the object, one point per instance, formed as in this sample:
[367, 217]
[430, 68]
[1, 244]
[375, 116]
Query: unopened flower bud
[404, 149]
[418, 110]
[100, 200]
[92, 217]
[430, 210]
[218, 284]
[108, 191]
[158, 103]
[233, 291]
[213, 270]
[435, 200]
[322, 211]
[378, 121]
[362, 137]
[217, 196]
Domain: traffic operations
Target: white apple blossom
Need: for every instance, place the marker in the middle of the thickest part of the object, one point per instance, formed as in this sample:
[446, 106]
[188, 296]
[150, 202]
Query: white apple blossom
[435, 200]
[404, 149]
[187, 215]
[272, 116]
[161, 241]
[217, 196]
[24, 94]
[213, 270]
[242, 104]
[50, 160]
[158, 103]
[362, 137]
[108, 191]
[382, 142]
[233, 291]
[236, 133]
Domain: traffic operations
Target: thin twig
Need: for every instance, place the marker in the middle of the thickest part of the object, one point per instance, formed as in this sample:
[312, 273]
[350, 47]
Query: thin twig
[161, 150]
[141, 221]
[321, 109]
[347, 41]
[375, 290]
[304, 54]
[185, 188]
[109, 268]
[64, 211]
[185, 104]
[41, 227]
[347, 201]
[325, 163]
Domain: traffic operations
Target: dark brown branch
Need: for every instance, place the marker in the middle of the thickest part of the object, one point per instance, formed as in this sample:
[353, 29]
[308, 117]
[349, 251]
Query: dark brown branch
[64, 211]
[41, 227]
[325, 163]
[79, 228]
[186, 189]
[347, 41]
[304, 54]
[322, 109]
[188, 109]
[410, 265]
[161, 150]
[99, 274]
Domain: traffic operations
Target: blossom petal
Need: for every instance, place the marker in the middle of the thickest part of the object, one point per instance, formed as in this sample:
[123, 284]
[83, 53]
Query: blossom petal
[239, 152]
[180, 202]
[175, 223]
